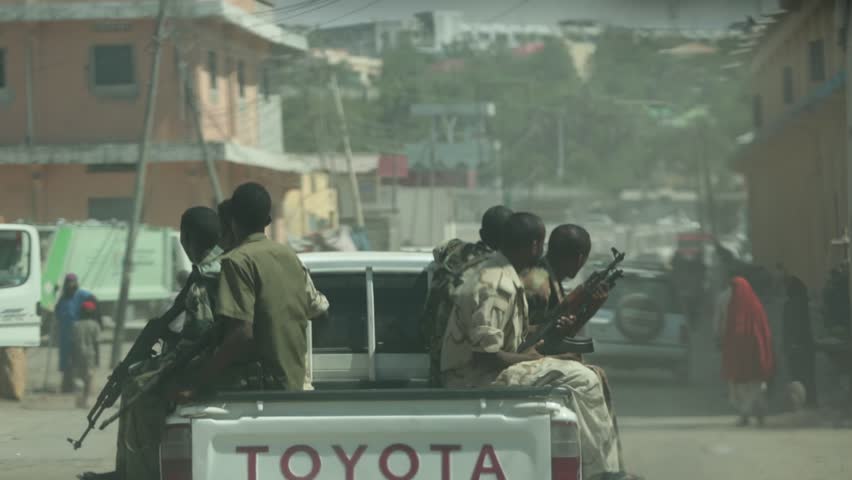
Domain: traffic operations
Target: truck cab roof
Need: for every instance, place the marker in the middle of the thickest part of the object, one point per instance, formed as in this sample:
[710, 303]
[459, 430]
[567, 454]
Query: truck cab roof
[371, 334]
[359, 261]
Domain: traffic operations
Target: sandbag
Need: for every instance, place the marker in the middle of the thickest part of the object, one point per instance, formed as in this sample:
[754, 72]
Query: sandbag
[13, 372]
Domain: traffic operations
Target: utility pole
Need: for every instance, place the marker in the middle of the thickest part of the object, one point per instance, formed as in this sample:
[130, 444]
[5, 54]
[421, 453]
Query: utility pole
[848, 93]
[432, 174]
[353, 179]
[704, 169]
[191, 102]
[560, 145]
[139, 188]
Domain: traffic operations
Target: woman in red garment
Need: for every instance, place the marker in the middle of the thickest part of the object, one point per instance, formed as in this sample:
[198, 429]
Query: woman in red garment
[747, 357]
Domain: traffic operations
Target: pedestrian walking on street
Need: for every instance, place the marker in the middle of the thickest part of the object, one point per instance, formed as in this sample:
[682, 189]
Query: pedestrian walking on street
[67, 312]
[747, 358]
[84, 350]
[798, 338]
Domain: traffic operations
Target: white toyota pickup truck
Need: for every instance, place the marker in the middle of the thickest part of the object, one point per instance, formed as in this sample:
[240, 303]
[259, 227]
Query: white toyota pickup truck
[371, 416]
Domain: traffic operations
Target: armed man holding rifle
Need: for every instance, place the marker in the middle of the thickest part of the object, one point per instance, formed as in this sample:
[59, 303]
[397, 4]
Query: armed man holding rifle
[144, 409]
[489, 339]
[568, 249]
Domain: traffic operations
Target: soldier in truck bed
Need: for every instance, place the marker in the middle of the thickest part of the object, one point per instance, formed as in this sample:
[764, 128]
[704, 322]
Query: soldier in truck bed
[261, 303]
[140, 427]
[487, 325]
[317, 302]
[568, 249]
[451, 260]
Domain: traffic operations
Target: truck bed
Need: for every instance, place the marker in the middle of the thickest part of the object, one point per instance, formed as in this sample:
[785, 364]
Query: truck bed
[379, 433]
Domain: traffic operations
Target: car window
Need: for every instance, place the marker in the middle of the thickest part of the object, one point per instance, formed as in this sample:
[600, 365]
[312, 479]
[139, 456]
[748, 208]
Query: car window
[14, 258]
[344, 329]
[399, 303]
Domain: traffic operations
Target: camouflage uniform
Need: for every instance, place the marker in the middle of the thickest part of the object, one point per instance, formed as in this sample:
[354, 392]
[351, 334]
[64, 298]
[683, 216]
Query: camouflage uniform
[317, 305]
[141, 426]
[489, 315]
[544, 292]
[598, 436]
[451, 260]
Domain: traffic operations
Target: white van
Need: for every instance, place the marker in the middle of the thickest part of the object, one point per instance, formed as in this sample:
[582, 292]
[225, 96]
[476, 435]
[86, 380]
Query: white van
[20, 286]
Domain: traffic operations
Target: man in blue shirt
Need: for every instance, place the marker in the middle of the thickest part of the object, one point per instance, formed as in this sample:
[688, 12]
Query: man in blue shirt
[67, 313]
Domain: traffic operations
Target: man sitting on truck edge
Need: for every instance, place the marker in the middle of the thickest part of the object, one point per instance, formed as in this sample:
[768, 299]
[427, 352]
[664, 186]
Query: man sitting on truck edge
[488, 322]
[451, 260]
[262, 302]
[317, 302]
[489, 315]
[140, 428]
[568, 249]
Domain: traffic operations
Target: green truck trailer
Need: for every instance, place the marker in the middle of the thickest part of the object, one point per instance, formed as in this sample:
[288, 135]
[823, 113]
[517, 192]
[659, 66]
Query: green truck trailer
[94, 252]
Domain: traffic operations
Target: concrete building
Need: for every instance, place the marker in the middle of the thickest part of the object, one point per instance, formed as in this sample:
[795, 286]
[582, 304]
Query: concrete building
[795, 163]
[430, 32]
[366, 70]
[73, 90]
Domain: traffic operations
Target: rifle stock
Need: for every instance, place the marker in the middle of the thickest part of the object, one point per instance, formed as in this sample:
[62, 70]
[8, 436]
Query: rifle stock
[142, 349]
[579, 303]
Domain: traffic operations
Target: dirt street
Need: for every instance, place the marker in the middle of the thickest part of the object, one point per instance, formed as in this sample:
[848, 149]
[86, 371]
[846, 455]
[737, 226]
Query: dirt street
[670, 432]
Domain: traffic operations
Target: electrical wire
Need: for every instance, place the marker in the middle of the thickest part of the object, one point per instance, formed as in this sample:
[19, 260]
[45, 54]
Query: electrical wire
[509, 10]
[350, 13]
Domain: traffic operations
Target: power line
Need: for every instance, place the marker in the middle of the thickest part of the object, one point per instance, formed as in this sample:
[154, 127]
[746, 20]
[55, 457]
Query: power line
[509, 10]
[351, 12]
[327, 3]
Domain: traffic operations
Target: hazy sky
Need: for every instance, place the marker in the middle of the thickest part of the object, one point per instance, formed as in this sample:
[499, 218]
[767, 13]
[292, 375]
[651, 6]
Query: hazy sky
[636, 13]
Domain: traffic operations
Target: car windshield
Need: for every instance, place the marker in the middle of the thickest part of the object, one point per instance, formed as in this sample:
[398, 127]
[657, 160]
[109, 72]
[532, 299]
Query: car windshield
[14, 258]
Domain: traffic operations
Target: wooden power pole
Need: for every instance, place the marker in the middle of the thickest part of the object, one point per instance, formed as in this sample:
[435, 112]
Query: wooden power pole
[139, 188]
[192, 103]
[848, 105]
[347, 147]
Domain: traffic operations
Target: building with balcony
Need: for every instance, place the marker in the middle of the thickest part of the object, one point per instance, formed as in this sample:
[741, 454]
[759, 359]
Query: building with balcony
[795, 163]
[73, 92]
[430, 32]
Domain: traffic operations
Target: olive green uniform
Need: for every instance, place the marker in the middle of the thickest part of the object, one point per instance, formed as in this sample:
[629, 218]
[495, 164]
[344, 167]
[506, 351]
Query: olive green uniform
[317, 305]
[263, 283]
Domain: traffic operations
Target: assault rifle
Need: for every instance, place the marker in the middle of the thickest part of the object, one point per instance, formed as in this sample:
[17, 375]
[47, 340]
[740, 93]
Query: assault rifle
[581, 304]
[173, 363]
[142, 349]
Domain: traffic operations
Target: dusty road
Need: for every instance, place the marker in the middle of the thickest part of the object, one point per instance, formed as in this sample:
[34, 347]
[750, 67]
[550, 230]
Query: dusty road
[670, 432]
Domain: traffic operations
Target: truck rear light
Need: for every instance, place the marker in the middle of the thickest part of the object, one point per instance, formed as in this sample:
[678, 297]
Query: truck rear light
[176, 453]
[564, 451]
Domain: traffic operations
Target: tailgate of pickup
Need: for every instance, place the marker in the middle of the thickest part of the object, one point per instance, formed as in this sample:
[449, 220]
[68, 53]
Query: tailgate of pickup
[370, 435]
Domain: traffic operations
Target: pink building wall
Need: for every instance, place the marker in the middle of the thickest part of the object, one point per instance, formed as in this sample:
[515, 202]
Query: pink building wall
[67, 112]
